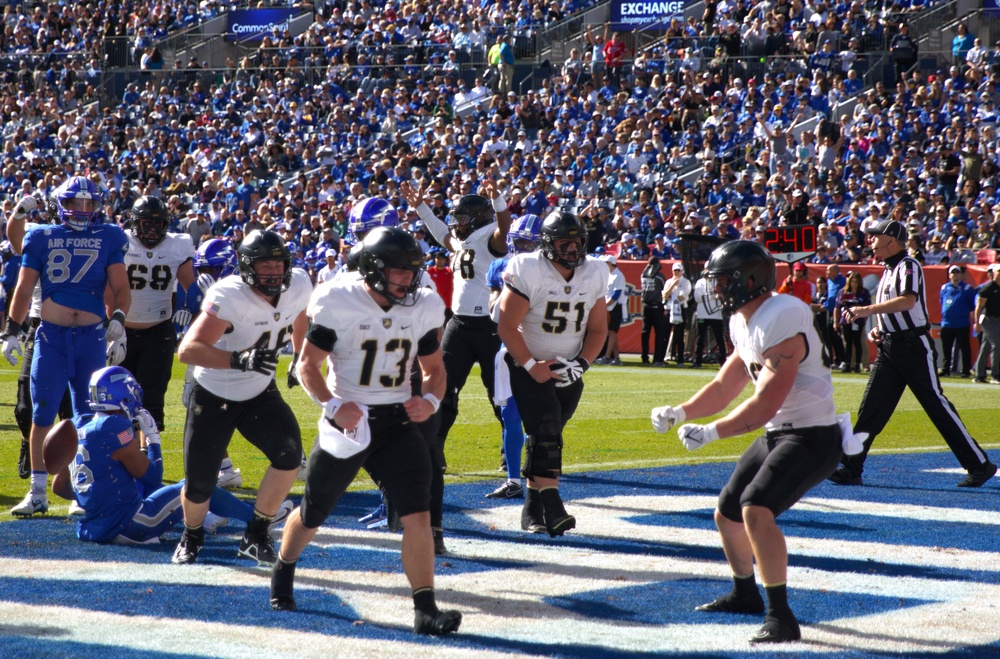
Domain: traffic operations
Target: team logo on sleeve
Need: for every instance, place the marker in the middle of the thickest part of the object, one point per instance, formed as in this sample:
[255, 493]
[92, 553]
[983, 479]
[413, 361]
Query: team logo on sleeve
[387, 323]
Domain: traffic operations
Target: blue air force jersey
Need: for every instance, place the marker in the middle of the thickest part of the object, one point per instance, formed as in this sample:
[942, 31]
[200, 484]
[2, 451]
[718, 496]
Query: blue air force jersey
[103, 486]
[72, 264]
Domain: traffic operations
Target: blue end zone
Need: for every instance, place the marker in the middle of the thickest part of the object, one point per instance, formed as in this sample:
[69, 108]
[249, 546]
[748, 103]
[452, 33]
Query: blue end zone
[644, 599]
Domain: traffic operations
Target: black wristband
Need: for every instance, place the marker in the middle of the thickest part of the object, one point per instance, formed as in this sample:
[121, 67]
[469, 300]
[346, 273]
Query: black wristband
[12, 328]
[118, 315]
[584, 364]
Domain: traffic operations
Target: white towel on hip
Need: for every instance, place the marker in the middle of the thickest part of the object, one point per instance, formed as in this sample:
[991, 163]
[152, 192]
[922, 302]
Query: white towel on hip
[501, 378]
[345, 444]
[851, 443]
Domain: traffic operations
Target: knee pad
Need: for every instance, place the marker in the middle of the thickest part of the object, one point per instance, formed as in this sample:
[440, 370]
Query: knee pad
[543, 456]
[311, 518]
[198, 492]
[289, 458]
[729, 506]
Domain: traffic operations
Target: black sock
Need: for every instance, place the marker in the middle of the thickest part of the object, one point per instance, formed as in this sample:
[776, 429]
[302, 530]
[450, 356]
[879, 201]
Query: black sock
[745, 587]
[777, 601]
[282, 576]
[552, 502]
[259, 523]
[423, 601]
[196, 533]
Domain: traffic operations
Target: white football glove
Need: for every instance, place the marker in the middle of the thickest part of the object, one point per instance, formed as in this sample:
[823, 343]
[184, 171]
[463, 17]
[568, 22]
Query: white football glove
[694, 436]
[11, 349]
[182, 317]
[205, 282]
[116, 326]
[665, 417]
[25, 205]
[116, 352]
[148, 426]
[569, 370]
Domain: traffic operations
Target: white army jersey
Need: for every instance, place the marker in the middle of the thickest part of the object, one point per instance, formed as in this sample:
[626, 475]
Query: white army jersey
[152, 275]
[374, 351]
[556, 322]
[255, 323]
[810, 402]
[470, 263]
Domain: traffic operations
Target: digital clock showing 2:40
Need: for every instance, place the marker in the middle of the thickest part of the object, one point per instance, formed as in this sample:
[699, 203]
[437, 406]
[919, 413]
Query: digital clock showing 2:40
[795, 239]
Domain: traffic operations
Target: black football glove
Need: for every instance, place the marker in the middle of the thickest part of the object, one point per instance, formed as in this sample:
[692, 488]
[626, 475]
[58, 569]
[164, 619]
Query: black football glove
[255, 359]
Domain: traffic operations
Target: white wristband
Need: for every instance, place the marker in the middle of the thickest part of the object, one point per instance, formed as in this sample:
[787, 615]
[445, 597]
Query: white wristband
[331, 406]
[433, 400]
[499, 204]
[530, 364]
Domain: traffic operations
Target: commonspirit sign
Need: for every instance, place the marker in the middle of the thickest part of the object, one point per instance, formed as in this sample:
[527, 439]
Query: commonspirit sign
[250, 25]
[647, 14]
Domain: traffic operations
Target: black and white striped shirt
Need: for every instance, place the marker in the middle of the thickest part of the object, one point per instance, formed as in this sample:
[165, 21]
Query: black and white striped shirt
[902, 275]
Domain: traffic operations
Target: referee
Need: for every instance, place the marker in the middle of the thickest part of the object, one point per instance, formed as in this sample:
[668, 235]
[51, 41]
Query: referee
[906, 357]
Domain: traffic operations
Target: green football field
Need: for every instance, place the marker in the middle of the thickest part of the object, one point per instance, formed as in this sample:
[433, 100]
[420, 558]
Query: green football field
[611, 429]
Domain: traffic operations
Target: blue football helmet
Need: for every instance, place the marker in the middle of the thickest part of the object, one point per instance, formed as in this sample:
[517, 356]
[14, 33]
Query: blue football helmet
[524, 234]
[79, 202]
[216, 257]
[367, 215]
[114, 389]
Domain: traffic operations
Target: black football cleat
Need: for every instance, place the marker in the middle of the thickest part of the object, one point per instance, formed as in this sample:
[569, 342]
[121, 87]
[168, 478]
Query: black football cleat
[775, 630]
[24, 460]
[445, 622]
[730, 603]
[258, 547]
[439, 548]
[187, 550]
[845, 476]
[979, 475]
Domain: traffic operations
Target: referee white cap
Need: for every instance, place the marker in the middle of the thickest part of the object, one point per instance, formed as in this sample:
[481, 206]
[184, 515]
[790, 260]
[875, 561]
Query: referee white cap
[890, 228]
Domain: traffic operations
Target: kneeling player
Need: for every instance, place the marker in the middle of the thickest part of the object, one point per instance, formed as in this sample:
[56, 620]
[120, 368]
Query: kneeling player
[777, 348]
[370, 331]
[115, 482]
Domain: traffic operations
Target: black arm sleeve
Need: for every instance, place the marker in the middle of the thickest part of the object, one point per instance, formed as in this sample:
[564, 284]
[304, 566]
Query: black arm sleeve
[323, 338]
[428, 343]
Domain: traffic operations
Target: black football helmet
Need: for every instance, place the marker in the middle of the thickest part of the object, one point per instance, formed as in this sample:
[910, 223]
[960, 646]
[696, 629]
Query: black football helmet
[353, 258]
[749, 269]
[149, 220]
[560, 225]
[472, 212]
[264, 246]
[391, 247]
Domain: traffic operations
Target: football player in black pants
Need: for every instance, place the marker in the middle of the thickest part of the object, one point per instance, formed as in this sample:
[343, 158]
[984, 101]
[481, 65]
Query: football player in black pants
[476, 234]
[156, 261]
[553, 321]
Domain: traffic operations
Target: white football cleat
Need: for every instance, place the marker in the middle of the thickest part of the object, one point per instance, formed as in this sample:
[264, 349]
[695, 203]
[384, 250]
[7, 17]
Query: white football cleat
[31, 504]
[284, 510]
[213, 522]
[230, 478]
[76, 510]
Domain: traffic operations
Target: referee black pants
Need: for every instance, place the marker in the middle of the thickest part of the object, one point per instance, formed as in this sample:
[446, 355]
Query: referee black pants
[908, 360]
